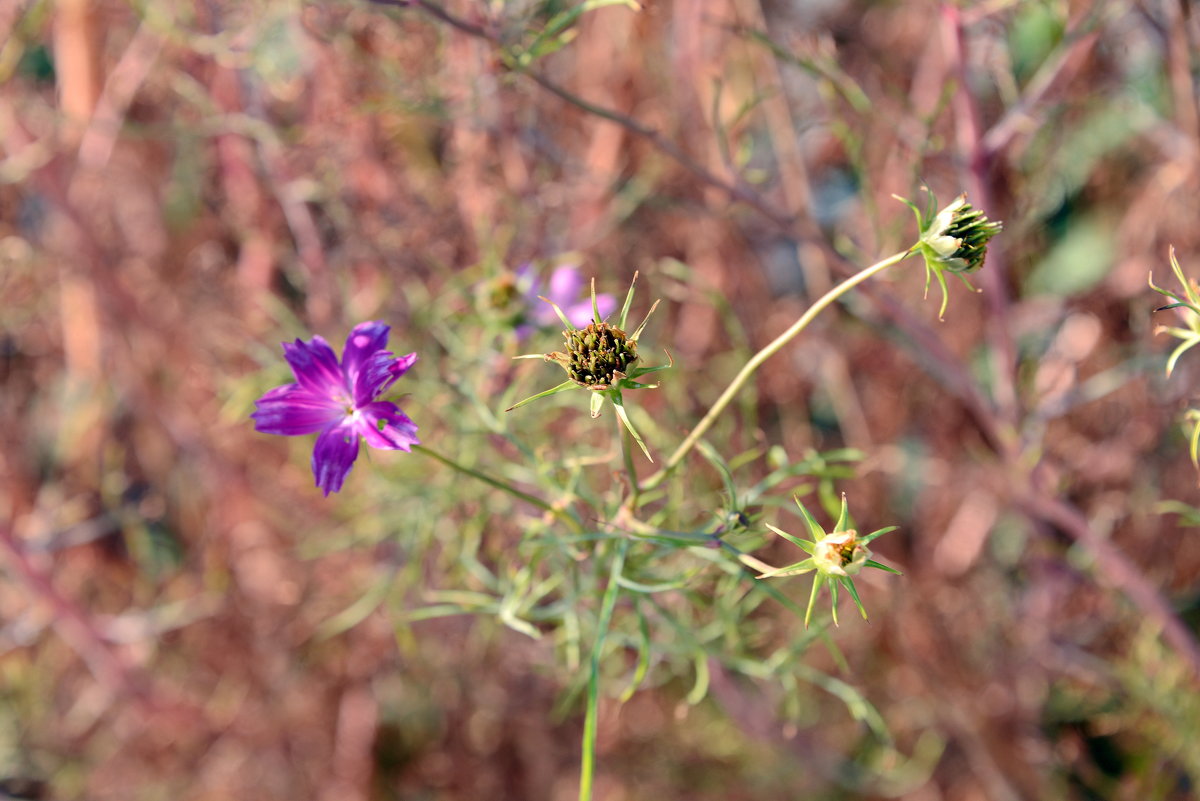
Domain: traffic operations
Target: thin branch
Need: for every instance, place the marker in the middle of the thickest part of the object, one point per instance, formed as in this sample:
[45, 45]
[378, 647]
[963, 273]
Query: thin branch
[1119, 571]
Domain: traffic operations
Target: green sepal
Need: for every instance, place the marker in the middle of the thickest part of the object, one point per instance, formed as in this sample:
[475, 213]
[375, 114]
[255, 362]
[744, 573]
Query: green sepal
[596, 403]
[621, 413]
[628, 302]
[595, 305]
[1194, 442]
[796, 569]
[881, 566]
[843, 521]
[638, 332]
[833, 592]
[878, 533]
[814, 528]
[804, 545]
[848, 583]
[1190, 339]
[812, 599]
[559, 312]
[941, 279]
[563, 387]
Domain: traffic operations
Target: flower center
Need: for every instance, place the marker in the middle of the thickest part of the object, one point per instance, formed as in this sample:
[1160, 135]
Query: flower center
[597, 354]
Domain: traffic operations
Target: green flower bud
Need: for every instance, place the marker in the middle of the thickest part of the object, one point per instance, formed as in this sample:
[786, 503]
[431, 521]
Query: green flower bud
[832, 557]
[956, 238]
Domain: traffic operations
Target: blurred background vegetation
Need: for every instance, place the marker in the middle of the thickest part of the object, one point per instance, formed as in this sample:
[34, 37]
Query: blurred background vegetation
[186, 183]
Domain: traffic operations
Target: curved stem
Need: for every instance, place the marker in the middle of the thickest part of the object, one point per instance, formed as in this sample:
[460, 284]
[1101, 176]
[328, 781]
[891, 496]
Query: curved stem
[757, 359]
[561, 514]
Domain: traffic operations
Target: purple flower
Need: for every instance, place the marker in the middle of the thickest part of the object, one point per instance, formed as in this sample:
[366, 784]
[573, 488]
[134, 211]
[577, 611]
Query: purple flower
[566, 285]
[339, 400]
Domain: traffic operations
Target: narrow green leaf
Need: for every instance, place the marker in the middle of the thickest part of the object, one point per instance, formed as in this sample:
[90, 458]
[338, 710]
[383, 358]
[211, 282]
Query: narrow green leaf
[643, 663]
[717, 461]
[650, 589]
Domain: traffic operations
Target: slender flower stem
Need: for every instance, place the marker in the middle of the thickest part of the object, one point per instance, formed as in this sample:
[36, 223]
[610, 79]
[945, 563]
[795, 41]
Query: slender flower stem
[587, 766]
[757, 359]
[561, 514]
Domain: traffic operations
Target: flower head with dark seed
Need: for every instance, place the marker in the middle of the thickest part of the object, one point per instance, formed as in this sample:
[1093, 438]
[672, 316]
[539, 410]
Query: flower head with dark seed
[601, 358]
[597, 356]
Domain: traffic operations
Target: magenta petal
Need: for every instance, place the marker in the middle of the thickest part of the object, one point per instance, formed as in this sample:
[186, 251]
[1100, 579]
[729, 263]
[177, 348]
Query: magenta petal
[316, 368]
[378, 373]
[565, 285]
[334, 455]
[384, 426]
[580, 314]
[363, 342]
[291, 410]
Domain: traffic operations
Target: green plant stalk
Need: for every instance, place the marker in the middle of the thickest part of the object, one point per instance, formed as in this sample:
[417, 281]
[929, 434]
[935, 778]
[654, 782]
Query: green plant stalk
[757, 359]
[587, 767]
[561, 514]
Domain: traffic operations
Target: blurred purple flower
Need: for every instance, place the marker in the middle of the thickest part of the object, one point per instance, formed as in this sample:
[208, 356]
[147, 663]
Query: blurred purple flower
[566, 286]
[339, 400]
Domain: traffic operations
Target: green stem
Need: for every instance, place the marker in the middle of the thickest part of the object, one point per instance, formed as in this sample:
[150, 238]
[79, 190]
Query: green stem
[757, 359]
[561, 514]
[587, 766]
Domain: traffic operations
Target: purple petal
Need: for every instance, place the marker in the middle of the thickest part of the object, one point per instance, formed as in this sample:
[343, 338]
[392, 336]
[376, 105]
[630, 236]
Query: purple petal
[385, 426]
[580, 314]
[334, 455]
[378, 373]
[525, 274]
[291, 410]
[364, 341]
[565, 285]
[317, 369]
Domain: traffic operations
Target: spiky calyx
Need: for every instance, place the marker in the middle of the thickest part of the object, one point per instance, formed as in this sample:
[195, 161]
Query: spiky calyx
[956, 238]
[953, 240]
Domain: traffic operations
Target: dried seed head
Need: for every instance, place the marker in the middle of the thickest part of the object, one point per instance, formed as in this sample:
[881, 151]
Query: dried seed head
[597, 356]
